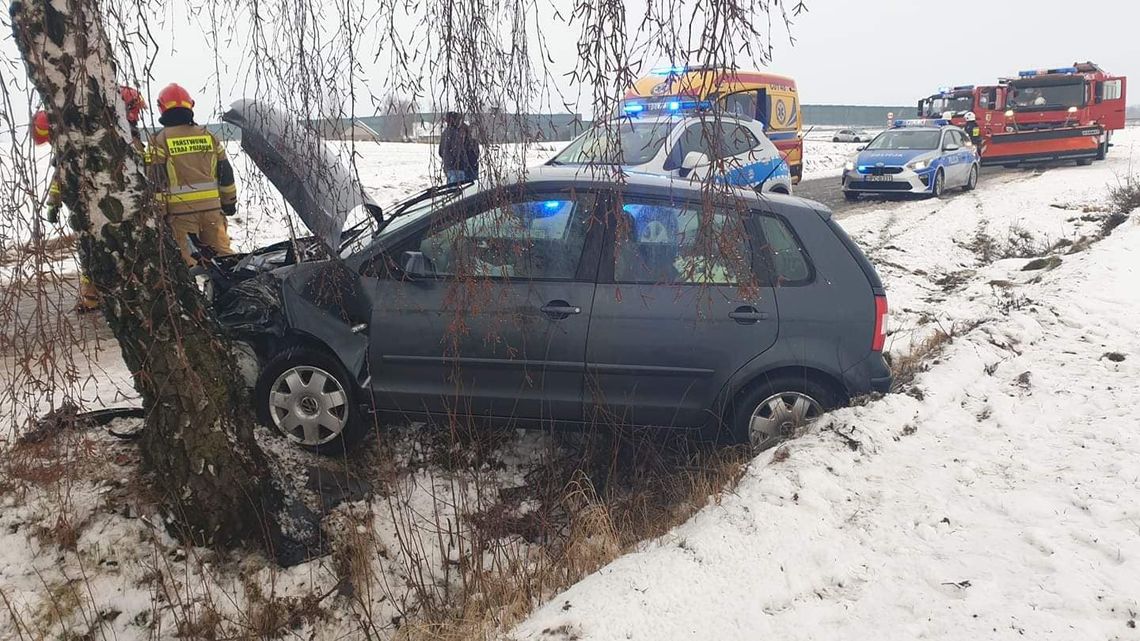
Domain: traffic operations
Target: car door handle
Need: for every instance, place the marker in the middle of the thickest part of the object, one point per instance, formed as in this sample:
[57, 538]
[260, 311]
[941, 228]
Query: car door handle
[559, 309]
[747, 315]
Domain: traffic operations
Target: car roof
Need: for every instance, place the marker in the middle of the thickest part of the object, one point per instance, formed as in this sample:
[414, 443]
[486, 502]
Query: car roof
[561, 176]
[704, 116]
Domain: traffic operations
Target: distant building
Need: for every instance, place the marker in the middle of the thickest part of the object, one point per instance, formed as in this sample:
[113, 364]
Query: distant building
[495, 127]
[853, 115]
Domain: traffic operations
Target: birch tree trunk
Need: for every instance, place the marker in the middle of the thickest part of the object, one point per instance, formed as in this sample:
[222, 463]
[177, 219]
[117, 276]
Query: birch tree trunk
[198, 440]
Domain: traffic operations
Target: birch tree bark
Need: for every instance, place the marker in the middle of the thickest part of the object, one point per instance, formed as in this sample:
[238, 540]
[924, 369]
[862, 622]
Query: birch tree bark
[198, 442]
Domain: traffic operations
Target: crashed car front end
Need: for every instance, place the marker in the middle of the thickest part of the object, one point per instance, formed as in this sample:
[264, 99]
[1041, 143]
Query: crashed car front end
[297, 291]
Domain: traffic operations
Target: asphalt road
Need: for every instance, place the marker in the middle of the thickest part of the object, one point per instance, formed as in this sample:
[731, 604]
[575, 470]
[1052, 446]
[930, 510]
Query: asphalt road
[828, 192]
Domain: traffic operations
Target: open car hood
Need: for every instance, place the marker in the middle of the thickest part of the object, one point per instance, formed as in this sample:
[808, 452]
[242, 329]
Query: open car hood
[313, 180]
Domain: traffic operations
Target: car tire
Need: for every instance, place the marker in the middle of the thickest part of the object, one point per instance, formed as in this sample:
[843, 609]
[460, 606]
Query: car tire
[308, 397]
[777, 408]
[850, 196]
[856, 139]
[939, 185]
[835, 139]
[972, 181]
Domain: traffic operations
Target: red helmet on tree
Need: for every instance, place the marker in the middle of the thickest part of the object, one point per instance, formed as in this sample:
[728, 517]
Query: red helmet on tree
[134, 102]
[174, 95]
[41, 130]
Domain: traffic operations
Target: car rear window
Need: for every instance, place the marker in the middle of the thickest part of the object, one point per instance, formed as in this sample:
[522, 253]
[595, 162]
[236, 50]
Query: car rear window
[788, 257]
[677, 245]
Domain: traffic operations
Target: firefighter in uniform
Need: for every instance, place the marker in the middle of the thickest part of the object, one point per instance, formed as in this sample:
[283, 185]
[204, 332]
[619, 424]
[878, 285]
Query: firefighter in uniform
[88, 295]
[193, 175]
[973, 130]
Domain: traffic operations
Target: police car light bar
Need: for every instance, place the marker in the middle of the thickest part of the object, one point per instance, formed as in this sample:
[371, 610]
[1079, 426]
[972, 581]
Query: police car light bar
[672, 106]
[678, 70]
[921, 122]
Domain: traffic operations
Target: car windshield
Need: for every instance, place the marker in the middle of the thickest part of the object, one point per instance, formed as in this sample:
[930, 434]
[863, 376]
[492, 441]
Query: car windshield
[406, 216]
[1025, 96]
[940, 105]
[619, 142]
[906, 139]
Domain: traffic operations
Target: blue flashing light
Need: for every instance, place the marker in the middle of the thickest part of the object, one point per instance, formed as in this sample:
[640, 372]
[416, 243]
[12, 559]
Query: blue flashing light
[863, 168]
[552, 204]
[633, 108]
[921, 122]
[944, 90]
[673, 105]
[670, 71]
[1064, 70]
[1027, 74]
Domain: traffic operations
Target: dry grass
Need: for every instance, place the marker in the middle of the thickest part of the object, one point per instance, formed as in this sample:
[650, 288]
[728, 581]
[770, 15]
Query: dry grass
[906, 368]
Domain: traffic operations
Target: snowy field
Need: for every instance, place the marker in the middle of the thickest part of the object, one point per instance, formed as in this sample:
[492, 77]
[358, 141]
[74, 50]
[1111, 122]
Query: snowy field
[998, 499]
[994, 497]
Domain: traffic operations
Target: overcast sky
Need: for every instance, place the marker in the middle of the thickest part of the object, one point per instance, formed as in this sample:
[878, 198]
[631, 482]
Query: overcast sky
[846, 51]
[896, 51]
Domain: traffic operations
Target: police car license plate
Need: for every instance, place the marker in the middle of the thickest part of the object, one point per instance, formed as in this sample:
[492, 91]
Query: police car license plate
[880, 179]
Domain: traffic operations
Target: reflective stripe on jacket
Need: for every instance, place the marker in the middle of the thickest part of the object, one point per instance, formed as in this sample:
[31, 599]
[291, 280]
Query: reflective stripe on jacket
[191, 169]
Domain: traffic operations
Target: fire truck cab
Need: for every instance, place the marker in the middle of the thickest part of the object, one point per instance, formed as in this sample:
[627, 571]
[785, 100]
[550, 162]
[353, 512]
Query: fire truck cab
[1073, 100]
[1067, 113]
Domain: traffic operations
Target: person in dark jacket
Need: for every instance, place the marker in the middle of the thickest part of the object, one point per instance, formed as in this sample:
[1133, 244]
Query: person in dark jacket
[458, 150]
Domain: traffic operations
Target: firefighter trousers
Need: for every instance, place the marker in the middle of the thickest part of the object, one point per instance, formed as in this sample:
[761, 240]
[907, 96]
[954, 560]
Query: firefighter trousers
[88, 295]
[208, 226]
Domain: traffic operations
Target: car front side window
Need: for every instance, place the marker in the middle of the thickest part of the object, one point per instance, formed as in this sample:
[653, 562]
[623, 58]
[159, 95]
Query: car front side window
[538, 237]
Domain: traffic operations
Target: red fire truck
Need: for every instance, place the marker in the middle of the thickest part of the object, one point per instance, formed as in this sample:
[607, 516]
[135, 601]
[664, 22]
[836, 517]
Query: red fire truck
[952, 103]
[1068, 113]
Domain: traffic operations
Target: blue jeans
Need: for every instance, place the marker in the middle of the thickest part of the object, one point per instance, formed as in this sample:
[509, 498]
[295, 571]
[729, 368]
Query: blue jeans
[455, 176]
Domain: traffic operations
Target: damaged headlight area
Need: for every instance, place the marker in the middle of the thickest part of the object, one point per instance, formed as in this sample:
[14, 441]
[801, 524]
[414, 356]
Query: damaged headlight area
[252, 307]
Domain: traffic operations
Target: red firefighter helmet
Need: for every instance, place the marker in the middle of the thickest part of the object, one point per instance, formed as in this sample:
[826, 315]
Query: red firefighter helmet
[173, 95]
[134, 102]
[41, 130]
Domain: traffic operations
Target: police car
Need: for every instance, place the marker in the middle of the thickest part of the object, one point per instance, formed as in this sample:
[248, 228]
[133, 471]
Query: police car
[924, 156]
[685, 139]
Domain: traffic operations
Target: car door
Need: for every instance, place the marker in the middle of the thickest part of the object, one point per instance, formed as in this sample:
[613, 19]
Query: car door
[679, 308]
[951, 160]
[493, 321]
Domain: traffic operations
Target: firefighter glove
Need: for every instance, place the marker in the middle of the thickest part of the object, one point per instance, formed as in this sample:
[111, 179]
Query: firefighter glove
[52, 214]
[229, 210]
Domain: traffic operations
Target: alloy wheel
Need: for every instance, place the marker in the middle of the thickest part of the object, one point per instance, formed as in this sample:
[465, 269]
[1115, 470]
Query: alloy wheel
[308, 405]
[779, 416]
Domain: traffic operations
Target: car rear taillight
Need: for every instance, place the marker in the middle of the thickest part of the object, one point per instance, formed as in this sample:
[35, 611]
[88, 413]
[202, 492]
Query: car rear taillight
[880, 336]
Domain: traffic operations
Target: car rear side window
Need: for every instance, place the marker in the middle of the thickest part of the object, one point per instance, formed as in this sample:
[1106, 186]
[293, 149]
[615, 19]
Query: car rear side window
[738, 140]
[789, 260]
[675, 244]
[537, 238]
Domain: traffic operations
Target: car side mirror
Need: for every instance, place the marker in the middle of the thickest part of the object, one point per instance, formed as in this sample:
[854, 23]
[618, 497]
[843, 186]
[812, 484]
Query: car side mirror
[416, 264]
[861, 148]
[951, 147]
[692, 160]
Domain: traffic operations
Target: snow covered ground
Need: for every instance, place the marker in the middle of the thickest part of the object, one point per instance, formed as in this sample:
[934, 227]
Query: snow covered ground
[824, 158]
[996, 497]
[999, 498]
